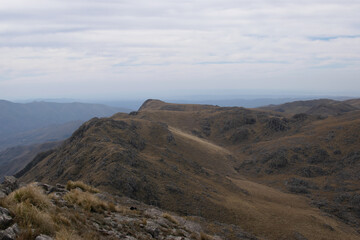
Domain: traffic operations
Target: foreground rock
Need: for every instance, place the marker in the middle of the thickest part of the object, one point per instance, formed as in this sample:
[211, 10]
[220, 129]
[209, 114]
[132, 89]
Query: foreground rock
[79, 211]
[9, 185]
[10, 233]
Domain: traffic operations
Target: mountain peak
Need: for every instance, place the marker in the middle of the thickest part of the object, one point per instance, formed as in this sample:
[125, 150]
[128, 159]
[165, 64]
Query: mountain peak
[151, 104]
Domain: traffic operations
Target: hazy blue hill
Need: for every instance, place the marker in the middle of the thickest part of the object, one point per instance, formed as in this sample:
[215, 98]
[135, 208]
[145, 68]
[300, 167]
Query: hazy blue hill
[15, 158]
[17, 117]
[55, 132]
[39, 122]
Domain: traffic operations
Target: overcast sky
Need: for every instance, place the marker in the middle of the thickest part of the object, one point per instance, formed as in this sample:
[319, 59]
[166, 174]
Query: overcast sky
[122, 48]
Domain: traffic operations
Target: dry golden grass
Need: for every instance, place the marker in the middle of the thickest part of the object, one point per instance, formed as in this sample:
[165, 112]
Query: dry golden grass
[204, 236]
[36, 215]
[32, 210]
[170, 218]
[65, 234]
[32, 195]
[29, 215]
[87, 201]
[78, 184]
[196, 140]
[277, 215]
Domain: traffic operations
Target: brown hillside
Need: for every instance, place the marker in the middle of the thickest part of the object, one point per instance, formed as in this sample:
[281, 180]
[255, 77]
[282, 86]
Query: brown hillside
[214, 162]
[354, 102]
[322, 107]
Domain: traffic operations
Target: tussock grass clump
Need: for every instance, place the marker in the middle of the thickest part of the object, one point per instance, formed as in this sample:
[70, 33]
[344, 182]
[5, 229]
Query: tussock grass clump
[31, 208]
[30, 194]
[78, 184]
[36, 214]
[87, 201]
[170, 218]
[30, 216]
[65, 234]
[204, 236]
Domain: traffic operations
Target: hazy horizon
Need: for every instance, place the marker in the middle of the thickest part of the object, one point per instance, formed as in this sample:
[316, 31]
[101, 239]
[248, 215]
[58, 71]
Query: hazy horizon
[160, 49]
[225, 100]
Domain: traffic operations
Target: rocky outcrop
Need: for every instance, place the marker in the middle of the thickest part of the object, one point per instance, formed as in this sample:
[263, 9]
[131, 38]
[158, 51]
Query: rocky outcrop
[8, 229]
[43, 237]
[10, 233]
[9, 185]
[121, 218]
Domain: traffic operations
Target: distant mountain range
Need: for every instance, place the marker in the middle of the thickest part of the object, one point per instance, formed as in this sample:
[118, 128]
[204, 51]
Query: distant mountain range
[278, 172]
[39, 122]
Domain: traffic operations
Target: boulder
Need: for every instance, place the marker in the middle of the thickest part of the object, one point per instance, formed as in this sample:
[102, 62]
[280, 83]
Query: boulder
[10, 184]
[5, 218]
[10, 233]
[46, 187]
[43, 237]
[152, 228]
[2, 194]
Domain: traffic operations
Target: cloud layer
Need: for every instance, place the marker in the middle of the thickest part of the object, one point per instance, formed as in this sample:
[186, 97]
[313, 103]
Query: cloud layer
[84, 48]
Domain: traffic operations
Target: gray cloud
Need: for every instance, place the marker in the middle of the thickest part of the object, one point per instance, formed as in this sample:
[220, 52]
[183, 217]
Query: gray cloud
[117, 46]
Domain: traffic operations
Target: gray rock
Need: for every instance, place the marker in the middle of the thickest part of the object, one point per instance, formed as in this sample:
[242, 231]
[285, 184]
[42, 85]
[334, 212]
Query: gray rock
[153, 212]
[43, 237]
[2, 194]
[46, 187]
[102, 196]
[59, 188]
[129, 238]
[58, 185]
[163, 222]
[171, 237]
[192, 226]
[10, 233]
[152, 228]
[10, 184]
[5, 218]
[299, 236]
